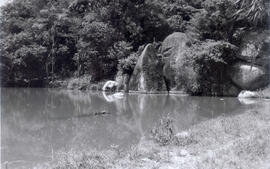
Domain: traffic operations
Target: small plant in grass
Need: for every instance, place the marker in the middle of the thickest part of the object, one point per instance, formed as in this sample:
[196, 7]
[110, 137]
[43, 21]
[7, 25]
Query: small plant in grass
[184, 138]
[163, 131]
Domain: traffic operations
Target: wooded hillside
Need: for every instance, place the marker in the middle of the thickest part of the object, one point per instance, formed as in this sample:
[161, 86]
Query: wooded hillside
[47, 40]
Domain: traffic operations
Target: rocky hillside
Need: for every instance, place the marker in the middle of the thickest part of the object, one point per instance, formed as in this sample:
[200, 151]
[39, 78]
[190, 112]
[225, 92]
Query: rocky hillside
[184, 63]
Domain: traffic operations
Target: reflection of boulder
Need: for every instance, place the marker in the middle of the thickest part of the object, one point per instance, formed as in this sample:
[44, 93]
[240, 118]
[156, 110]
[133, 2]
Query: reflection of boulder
[248, 76]
[185, 111]
[147, 75]
[113, 97]
[147, 110]
[247, 101]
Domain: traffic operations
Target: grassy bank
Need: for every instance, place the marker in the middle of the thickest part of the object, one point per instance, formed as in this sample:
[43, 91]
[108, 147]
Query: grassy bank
[239, 141]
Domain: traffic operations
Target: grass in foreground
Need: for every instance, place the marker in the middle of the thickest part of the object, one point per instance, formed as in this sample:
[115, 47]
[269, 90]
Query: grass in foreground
[237, 142]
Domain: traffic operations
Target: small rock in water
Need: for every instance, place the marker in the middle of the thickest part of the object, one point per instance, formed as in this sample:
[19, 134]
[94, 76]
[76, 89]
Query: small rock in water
[183, 134]
[114, 146]
[184, 138]
[101, 113]
[183, 153]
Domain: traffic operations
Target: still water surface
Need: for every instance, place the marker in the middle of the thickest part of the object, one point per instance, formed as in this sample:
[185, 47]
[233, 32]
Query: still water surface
[36, 124]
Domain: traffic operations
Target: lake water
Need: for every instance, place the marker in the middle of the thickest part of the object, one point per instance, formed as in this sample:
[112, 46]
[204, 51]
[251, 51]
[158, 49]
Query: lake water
[36, 124]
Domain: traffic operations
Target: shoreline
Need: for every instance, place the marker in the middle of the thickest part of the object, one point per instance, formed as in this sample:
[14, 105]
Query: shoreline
[237, 141]
[261, 94]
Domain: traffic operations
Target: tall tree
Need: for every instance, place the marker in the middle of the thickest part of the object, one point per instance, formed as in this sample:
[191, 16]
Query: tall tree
[255, 11]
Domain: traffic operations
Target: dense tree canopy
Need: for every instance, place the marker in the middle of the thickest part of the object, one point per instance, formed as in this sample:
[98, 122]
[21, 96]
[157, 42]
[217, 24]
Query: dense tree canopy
[46, 40]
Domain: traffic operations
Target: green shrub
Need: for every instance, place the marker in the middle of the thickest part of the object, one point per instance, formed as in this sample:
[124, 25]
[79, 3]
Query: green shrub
[203, 66]
[214, 22]
[163, 132]
[127, 65]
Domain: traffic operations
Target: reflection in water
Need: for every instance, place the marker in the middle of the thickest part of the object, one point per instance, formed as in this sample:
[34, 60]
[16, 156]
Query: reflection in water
[38, 123]
[248, 101]
[112, 97]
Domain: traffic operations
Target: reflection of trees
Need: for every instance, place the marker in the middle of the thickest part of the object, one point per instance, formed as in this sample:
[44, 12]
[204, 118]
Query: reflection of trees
[127, 117]
[140, 112]
[37, 121]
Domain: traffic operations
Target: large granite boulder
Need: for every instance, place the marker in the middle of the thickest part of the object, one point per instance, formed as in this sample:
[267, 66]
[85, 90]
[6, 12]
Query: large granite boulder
[147, 75]
[255, 47]
[173, 49]
[248, 77]
[249, 70]
[180, 76]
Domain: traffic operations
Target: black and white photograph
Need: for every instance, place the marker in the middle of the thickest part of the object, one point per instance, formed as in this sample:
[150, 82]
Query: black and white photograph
[135, 84]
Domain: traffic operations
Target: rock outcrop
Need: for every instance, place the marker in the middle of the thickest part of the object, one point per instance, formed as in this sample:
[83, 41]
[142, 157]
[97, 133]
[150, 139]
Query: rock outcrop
[248, 76]
[173, 48]
[246, 70]
[178, 70]
[147, 75]
[253, 71]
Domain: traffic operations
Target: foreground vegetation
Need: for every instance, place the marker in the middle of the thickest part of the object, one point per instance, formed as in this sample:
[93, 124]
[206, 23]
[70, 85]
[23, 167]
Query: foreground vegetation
[239, 141]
